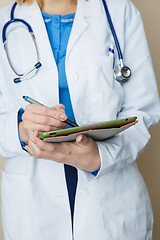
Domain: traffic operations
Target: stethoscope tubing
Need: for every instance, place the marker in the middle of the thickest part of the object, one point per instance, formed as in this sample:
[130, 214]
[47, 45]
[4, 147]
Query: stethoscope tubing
[13, 21]
[23, 76]
[120, 56]
[13, 10]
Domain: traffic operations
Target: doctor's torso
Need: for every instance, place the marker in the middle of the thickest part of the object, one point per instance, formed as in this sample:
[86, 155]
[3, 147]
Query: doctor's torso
[40, 193]
[89, 66]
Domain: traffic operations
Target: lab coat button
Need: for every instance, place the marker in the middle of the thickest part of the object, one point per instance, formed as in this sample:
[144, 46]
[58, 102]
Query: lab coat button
[59, 196]
[56, 20]
[75, 77]
[84, 192]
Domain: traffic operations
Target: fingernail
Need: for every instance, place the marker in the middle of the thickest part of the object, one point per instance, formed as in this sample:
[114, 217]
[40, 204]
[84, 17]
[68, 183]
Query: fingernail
[34, 140]
[63, 117]
[62, 110]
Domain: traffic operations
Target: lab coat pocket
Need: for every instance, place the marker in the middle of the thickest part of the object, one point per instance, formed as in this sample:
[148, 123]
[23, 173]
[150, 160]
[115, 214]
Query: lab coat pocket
[14, 206]
[18, 165]
[110, 92]
[107, 71]
[125, 204]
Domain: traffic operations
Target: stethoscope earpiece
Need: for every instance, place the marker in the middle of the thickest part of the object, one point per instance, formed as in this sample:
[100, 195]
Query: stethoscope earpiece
[17, 80]
[31, 73]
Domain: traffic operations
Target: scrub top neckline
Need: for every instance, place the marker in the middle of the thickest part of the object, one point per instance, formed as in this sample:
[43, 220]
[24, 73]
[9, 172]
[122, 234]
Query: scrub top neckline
[71, 15]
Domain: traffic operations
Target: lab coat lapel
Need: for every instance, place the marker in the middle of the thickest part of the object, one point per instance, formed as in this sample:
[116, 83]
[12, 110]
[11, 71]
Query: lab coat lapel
[32, 14]
[79, 27]
[85, 9]
[48, 74]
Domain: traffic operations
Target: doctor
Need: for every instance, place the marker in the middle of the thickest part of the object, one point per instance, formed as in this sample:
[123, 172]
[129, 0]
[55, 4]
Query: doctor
[86, 189]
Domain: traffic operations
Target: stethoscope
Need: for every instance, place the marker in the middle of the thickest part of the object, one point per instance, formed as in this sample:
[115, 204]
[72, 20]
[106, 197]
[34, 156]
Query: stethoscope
[33, 71]
[121, 72]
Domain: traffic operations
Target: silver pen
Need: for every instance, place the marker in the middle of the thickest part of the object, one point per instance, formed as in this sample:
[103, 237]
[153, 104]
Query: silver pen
[32, 101]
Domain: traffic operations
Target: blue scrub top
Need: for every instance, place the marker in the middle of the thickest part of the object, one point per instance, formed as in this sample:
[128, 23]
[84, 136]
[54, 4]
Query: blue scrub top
[59, 29]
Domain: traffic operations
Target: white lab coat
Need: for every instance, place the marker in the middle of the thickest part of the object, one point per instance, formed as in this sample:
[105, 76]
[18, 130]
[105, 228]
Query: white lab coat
[114, 205]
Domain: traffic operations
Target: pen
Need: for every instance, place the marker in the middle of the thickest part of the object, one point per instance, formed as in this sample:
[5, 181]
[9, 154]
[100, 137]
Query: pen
[112, 53]
[32, 101]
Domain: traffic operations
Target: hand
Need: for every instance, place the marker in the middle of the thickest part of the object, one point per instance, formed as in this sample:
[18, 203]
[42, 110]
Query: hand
[82, 154]
[42, 119]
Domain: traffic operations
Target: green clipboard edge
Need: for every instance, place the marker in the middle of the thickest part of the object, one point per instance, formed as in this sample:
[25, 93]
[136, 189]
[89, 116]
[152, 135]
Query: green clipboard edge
[109, 124]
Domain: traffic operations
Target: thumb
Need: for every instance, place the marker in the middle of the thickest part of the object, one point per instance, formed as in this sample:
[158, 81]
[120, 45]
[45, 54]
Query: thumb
[82, 140]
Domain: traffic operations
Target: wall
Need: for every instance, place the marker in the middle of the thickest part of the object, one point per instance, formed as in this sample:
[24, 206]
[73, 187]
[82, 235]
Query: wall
[149, 161]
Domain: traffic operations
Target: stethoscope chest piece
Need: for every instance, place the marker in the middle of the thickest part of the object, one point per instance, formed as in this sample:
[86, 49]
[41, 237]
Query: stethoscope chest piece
[122, 73]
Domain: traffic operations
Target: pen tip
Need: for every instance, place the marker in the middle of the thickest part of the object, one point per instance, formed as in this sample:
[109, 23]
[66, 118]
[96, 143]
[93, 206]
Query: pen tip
[24, 97]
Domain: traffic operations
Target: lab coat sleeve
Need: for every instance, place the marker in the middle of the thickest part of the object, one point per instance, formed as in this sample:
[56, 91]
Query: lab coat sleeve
[9, 141]
[140, 99]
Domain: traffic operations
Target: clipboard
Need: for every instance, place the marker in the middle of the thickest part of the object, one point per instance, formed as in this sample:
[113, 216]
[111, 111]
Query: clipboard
[98, 132]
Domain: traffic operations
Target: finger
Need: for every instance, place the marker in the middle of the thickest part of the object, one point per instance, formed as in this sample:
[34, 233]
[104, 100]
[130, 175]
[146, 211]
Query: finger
[40, 153]
[60, 107]
[45, 120]
[28, 149]
[49, 155]
[60, 151]
[34, 150]
[43, 110]
[39, 127]
[50, 147]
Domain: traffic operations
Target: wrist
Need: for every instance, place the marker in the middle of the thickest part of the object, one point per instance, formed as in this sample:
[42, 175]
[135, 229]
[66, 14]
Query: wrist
[97, 164]
[94, 163]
